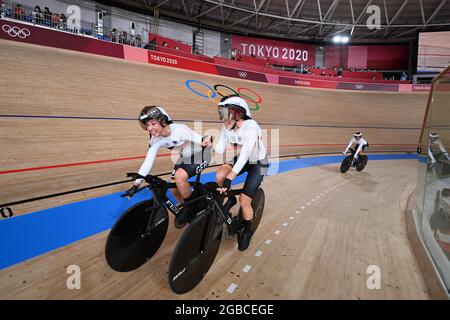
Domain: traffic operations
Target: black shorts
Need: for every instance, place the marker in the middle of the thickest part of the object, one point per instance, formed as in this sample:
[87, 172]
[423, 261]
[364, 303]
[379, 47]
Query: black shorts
[192, 165]
[364, 147]
[255, 175]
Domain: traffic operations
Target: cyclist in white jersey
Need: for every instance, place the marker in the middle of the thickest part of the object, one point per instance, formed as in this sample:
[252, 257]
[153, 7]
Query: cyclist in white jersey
[166, 134]
[436, 148]
[360, 144]
[239, 129]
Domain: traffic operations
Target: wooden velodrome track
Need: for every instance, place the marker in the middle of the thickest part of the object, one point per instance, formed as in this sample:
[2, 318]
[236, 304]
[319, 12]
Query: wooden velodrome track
[63, 113]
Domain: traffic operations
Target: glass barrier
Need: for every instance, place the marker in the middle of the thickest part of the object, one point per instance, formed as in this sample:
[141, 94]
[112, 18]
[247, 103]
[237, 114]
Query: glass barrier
[432, 197]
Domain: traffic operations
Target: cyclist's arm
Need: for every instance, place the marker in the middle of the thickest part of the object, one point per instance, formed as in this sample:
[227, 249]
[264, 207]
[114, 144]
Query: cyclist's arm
[220, 146]
[359, 149]
[190, 135]
[148, 162]
[251, 137]
[349, 145]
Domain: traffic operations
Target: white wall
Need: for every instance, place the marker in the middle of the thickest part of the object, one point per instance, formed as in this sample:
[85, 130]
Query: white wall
[175, 31]
[212, 43]
[121, 20]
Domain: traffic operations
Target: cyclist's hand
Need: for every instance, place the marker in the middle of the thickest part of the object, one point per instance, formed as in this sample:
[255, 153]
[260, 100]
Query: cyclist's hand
[207, 141]
[344, 153]
[225, 187]
[130, 192]
[355, 156]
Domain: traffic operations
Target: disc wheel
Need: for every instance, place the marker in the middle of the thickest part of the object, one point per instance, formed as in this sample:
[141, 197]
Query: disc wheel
[129, 244]
[362, 163]
[346, 163]
[190, 260]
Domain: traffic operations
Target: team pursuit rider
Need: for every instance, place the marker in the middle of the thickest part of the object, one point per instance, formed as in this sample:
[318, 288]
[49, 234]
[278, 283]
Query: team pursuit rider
[240, 130]
[166, 134]
[360, 144]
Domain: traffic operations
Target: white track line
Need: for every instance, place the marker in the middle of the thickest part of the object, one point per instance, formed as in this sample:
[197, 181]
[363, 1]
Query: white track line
[231, 288]
[247, 268]
[258, 253]
[285, 224]
[268, 241]
[277, 232]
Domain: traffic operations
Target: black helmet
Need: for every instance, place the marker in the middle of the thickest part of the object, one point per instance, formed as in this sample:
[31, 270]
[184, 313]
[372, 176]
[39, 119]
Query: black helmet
[357, 134]
[153, 112]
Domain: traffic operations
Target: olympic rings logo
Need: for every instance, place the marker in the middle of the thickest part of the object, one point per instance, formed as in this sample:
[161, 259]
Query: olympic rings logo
[359, 86]
[222, 90]
[16, 31]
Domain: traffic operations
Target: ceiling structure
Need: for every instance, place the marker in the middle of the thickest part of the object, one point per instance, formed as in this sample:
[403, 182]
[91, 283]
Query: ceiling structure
[314, 20]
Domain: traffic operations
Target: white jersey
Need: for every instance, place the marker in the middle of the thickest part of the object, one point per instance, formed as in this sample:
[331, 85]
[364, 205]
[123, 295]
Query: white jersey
[436, 147]
[360, 143]
[182, 138]
[249, 136]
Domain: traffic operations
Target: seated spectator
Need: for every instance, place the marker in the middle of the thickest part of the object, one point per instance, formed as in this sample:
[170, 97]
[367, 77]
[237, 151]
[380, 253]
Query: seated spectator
[47, 16]
[339, 72]
[165, 44]
[19, 13]
[404, 76]
[37, 15]
[177, 48]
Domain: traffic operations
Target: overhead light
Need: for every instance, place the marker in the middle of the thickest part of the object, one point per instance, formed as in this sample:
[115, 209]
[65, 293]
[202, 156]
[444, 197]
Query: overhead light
[337, 39]
[341, 39]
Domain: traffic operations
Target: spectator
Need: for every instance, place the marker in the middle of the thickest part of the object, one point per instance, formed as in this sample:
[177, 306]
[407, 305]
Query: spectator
[47, 16]
[37, 15]
[138, 41]
[19, 13]
[55, 20]
[165, 44]
[234, 54]
[113, 35]
[404, 76]
[123, 38]
[177, 48]
[339, 72]
[63, 21]
[2, 8]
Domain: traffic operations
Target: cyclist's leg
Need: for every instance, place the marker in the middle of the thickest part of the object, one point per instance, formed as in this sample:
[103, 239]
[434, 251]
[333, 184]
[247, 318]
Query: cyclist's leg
[174, 191]
[222, 173]
[254, 178]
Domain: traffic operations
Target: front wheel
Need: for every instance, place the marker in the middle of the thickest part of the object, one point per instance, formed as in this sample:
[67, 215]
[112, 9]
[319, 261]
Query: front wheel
[195, 252]
[136, 236]
[346, 163]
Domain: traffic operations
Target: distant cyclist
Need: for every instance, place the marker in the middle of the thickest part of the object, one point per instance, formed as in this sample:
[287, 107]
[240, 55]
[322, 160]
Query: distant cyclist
[436, 148]
[240, 130]
[360, 144]
[166, 134]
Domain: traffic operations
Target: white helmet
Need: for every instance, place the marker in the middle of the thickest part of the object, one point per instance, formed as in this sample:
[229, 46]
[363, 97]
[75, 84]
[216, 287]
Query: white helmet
[233, 102]
[357, 134]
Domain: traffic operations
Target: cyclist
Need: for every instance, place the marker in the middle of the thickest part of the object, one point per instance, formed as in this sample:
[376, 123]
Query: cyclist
[240, 130]
[436, 148]
[360, 144]
[166, 134]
